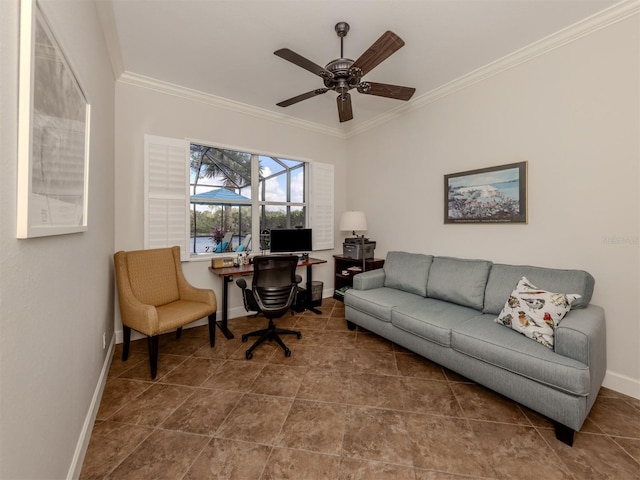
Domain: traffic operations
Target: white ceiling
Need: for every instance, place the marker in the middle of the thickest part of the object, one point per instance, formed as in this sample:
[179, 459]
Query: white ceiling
[225, 47]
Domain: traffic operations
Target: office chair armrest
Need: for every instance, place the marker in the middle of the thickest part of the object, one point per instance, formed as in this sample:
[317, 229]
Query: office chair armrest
[241, 282]
[298, 278]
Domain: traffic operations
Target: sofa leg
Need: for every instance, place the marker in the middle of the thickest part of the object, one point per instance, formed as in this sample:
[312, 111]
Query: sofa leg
[564, 433]
[351, 325]
[178, 333]
[126, 342]
[153, 343]
[212, 329]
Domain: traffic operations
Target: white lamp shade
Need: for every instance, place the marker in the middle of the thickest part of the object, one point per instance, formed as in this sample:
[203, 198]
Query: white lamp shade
[353, 221]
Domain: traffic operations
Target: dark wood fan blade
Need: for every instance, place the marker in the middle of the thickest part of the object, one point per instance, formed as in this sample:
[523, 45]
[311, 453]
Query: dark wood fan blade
[300, 61]
[304, 96]
[382, 48]
[344, 107]
[390, 91]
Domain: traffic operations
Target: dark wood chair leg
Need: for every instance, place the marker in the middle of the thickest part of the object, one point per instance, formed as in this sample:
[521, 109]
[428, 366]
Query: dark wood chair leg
[178, 333]
[212, 329]
[564, 433]
[153, 343]
[126, 331]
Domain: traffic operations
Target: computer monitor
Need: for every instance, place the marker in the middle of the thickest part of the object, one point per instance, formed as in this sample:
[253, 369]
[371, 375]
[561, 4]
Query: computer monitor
[290, 240]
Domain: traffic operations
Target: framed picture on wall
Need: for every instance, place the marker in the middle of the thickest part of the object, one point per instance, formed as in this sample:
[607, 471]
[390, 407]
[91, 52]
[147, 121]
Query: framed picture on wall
[53, 134]
[487, 195]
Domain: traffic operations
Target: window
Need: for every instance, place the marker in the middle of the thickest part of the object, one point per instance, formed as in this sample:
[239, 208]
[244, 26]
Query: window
[221, 193]
[230, 196]
[220, 199]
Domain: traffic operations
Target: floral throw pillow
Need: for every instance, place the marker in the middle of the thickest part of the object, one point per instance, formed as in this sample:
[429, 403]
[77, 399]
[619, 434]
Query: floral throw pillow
[535, 312]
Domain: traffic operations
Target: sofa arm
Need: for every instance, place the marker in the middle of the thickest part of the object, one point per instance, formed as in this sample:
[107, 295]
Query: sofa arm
[369, 280]
[582, 336]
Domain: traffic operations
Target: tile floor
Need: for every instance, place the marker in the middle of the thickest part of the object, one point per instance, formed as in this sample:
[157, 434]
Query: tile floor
[345, 405]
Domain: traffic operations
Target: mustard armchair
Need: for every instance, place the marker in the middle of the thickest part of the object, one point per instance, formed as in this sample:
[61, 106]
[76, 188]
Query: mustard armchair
[156, 298]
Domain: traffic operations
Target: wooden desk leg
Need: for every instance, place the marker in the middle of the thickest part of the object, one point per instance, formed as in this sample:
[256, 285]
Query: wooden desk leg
[222, 324]
[308, 306]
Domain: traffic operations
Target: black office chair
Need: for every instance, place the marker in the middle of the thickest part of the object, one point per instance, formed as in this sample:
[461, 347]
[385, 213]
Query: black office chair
[251, 305]
[274, 287]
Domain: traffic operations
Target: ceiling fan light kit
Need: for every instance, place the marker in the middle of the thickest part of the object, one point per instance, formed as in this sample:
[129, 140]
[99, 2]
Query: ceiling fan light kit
[343, 74]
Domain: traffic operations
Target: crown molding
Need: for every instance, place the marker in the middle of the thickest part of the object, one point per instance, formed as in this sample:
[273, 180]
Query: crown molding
[167, 88]
[598, 21]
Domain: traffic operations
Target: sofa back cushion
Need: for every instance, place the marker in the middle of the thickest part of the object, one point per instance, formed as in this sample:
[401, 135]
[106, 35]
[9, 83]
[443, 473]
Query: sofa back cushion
[503, 279]
[407, 271]
[459, 281]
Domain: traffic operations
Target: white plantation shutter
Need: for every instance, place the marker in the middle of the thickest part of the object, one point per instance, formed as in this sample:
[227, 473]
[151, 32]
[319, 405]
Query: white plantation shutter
[321, 205]
[166, 200]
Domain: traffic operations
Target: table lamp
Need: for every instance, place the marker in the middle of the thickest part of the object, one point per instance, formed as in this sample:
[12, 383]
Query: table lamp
[355, 222]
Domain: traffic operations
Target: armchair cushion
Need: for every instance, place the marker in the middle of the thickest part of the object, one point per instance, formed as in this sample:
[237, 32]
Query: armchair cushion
[178, 313]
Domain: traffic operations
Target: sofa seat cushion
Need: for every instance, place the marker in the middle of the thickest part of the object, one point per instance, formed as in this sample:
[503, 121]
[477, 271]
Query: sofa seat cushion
[490, 342]
[378, 302]
[431, 319]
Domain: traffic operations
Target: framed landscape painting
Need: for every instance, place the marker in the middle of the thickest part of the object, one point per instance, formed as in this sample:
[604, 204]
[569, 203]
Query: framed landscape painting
[53, 134]
[487, 195]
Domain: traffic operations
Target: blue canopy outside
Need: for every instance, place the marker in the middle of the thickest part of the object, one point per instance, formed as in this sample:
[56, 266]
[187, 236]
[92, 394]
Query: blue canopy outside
[218, 196]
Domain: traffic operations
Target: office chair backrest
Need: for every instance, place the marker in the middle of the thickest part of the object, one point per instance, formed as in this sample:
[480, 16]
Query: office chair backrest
[274, 282]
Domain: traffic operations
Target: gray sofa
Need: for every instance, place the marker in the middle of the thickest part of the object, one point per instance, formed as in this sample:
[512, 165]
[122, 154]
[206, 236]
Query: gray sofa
[444, 309]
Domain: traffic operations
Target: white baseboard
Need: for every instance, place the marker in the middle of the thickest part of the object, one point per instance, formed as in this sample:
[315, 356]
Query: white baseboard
[87, 427]
[622, 383]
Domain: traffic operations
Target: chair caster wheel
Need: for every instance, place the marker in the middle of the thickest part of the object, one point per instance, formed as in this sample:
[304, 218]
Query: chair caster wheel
[249, 355]
[244, 339]
[299, 336]
[287, 353]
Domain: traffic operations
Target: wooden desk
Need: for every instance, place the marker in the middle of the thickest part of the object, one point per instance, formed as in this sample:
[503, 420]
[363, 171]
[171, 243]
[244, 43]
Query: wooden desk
[227, 274]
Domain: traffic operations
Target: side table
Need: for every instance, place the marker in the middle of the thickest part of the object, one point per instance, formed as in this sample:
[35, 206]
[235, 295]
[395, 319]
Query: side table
[343, 281]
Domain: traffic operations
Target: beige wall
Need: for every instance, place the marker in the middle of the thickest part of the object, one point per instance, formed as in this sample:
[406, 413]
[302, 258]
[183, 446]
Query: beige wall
[56, 293]
[141, 111]
[573, 114]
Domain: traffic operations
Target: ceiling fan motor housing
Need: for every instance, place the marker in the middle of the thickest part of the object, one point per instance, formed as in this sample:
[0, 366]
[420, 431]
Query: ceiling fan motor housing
[343, 74]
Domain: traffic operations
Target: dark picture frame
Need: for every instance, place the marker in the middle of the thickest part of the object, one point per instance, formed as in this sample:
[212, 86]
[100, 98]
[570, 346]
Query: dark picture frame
[487, 195]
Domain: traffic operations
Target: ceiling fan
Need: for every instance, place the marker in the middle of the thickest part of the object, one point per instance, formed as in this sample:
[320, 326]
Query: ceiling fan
[343, 74]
